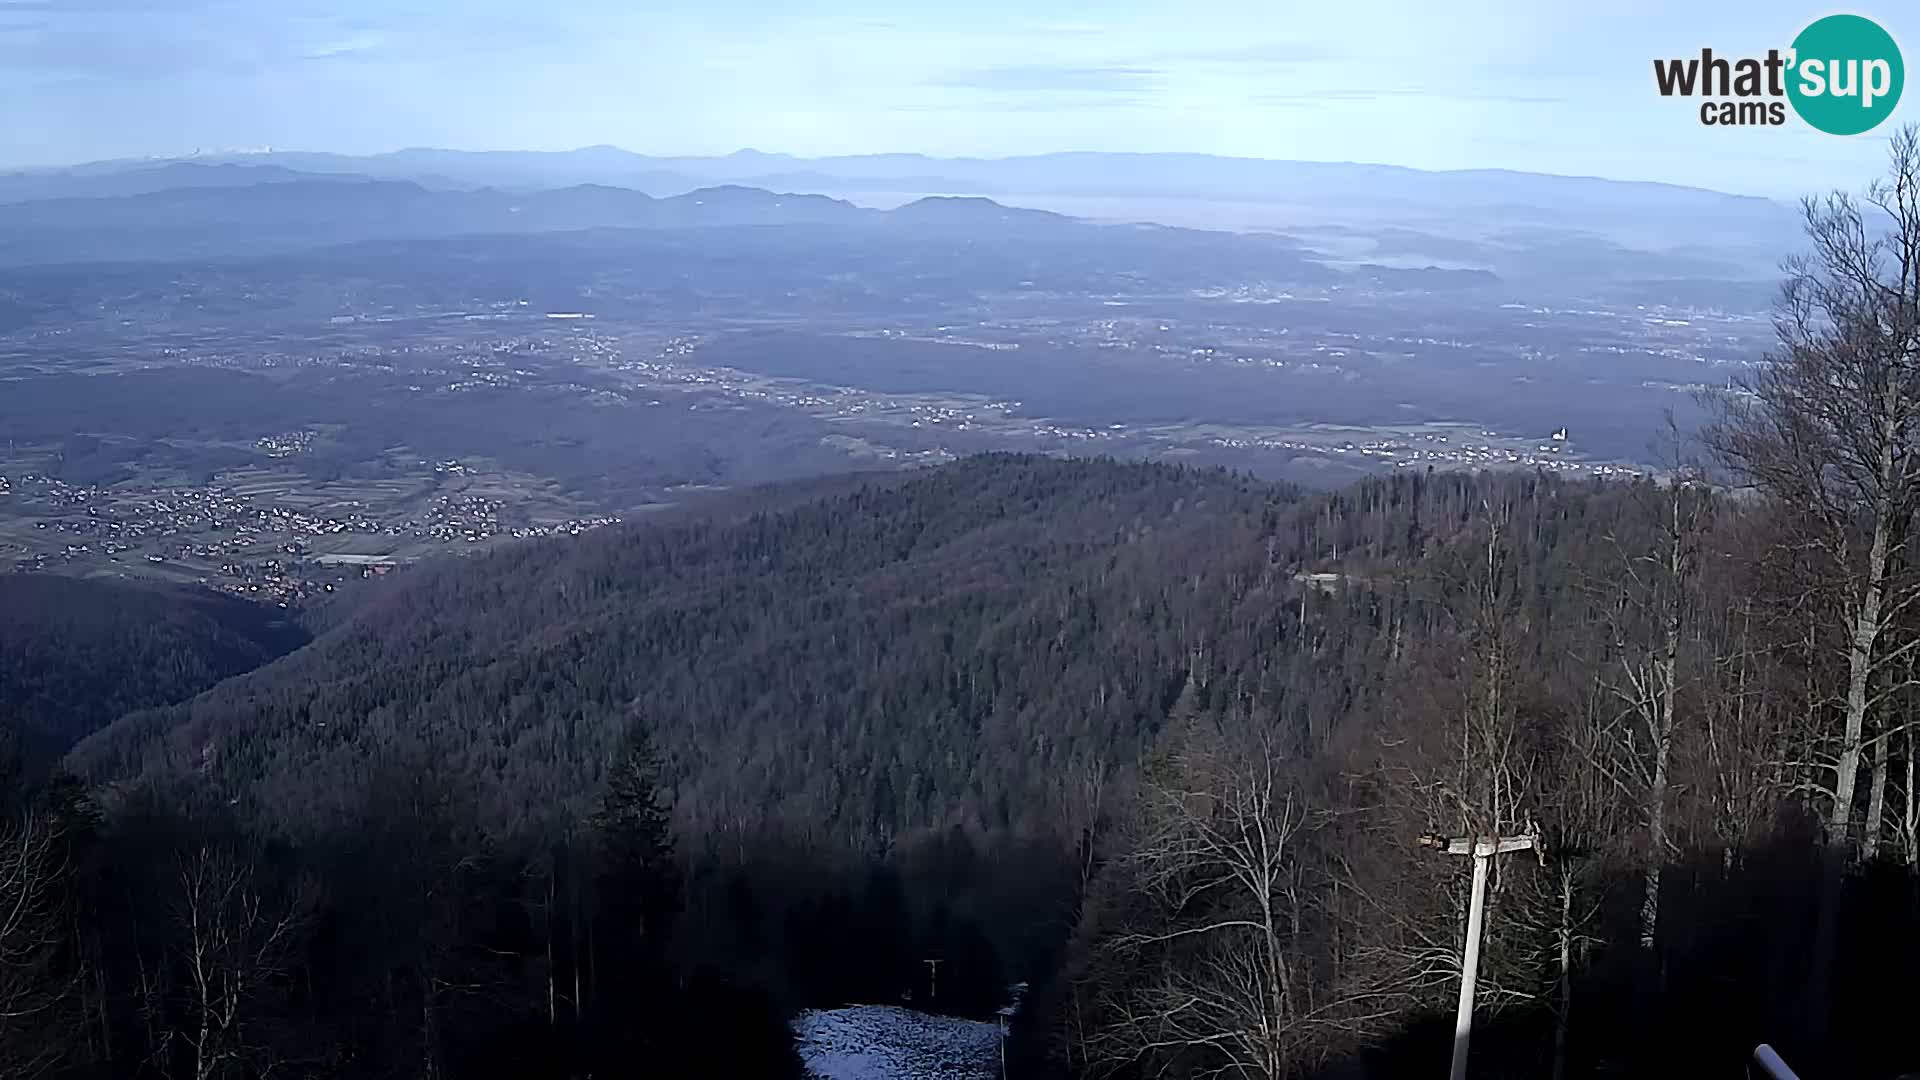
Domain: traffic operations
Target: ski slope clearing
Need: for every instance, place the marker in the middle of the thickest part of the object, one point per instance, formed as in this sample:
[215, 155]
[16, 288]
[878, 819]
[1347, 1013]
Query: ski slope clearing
[881, 1042]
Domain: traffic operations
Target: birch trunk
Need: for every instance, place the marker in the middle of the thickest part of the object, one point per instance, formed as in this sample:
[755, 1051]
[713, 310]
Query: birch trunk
[1860, 661]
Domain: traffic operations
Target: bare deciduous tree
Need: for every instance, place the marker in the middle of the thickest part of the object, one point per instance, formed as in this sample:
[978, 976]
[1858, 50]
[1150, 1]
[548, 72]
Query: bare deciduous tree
[1233, 963]
[234, 944]
[1732, 759]
[1831, 431]
[1651, 615]
[30, 867]
[1488, 786]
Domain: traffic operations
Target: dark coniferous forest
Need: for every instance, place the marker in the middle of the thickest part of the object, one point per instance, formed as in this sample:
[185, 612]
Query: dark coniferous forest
[1169, 746]
[76, 653]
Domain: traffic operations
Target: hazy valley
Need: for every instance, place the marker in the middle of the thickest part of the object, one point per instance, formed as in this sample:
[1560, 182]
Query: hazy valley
[253, 375]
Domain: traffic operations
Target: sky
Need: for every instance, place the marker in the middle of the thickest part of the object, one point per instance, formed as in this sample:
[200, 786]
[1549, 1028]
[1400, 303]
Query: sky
[1537, 85]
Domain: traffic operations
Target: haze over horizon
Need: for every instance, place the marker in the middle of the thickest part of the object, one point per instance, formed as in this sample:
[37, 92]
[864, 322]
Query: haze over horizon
[240, 154]
[1565, 92]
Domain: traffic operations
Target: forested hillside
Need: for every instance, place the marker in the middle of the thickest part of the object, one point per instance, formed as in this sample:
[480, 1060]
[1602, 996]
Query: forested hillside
[910, 657]
[891, 660]
[77, 653]
[1021, 716]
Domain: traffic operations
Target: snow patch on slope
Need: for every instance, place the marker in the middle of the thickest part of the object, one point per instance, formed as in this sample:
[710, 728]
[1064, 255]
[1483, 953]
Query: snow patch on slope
[881, 1042]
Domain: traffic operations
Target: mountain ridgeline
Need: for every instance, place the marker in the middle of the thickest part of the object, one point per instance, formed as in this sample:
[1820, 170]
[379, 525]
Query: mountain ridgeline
[1202, 176]
[288, 214]
[1555, 233]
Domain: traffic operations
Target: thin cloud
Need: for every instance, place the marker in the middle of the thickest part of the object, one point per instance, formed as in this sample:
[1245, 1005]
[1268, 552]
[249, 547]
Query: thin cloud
[1509, 99]
[114, 55]
[1070, 28]
[121, 7]
[1322, 97]
[352, 45]
[1047, 78]
[165, 42]
[1270, 53]
[1034, 103]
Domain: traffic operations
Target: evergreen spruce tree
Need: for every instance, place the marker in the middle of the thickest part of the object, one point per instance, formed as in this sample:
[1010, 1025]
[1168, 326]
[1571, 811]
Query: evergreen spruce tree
[638, 895]
[633, 834]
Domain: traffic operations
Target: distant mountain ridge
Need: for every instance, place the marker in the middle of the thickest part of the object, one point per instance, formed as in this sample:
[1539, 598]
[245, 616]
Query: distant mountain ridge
[146, 179]
[292, 211]
[284, 195]
[1067, 172]
[1190, 190]
[1395, 225]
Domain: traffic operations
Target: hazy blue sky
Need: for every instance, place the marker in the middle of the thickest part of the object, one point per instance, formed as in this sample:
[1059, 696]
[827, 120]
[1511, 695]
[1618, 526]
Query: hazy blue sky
[1542, 85]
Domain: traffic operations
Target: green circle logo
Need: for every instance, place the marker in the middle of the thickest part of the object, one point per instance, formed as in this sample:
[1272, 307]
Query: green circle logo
[1846, 74]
